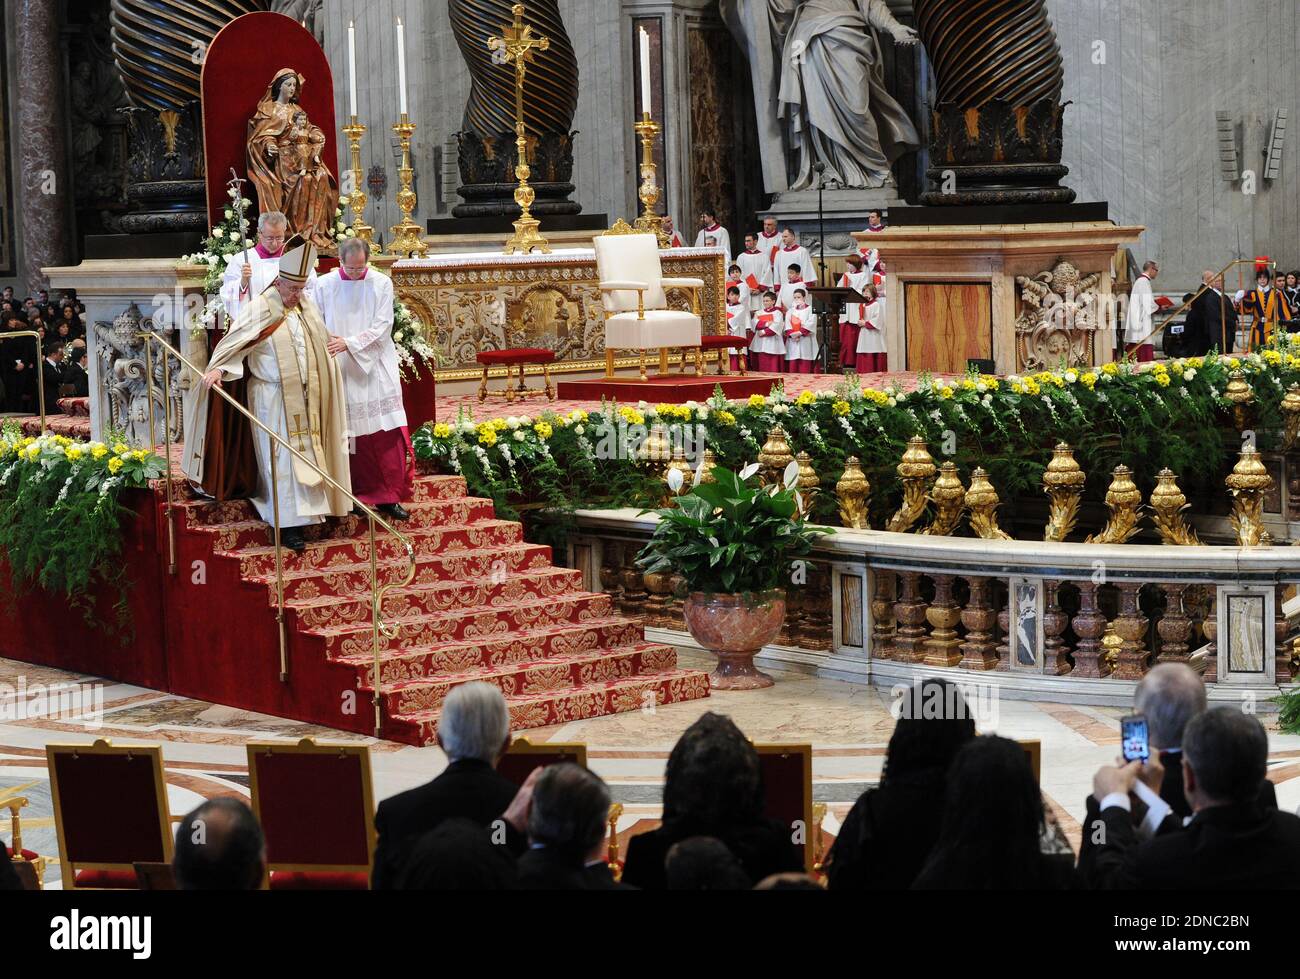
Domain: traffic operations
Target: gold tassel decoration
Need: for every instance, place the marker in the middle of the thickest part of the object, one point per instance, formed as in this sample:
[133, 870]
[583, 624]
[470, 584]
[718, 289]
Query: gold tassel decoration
[1063, 483]
[949, 499]
[982, 501]
[1125, 502]
[1168, 504]
[1248, 482]
[853, 492]
[917, 471]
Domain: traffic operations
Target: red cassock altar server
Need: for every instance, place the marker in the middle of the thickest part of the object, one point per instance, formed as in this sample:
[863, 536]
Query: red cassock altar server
[856, 278]
[873, 357]
[769, 337]
[357, 303]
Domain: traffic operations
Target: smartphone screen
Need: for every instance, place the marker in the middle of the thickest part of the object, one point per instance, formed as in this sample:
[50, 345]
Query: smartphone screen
[1133, 734]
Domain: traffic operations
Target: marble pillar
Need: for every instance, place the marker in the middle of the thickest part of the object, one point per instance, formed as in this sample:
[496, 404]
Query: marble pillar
[44, 188]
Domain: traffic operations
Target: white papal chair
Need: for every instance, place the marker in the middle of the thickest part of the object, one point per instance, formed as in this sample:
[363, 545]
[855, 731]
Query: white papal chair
[635, 293]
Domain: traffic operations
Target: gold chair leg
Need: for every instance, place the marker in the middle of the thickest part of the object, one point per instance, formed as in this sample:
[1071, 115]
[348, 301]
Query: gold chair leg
[724, 362]
[510, 384]
[699, 361]
[744, 363]
[644, 376]
[663, 361]
[483, 387]
[609, 364]
[550, 388]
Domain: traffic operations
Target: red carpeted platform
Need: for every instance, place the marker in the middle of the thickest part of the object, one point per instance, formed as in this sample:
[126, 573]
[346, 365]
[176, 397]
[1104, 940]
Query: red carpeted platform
[673, 389]
[484, 605]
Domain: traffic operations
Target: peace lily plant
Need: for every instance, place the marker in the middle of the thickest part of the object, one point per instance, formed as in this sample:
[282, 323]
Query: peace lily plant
[734, 543]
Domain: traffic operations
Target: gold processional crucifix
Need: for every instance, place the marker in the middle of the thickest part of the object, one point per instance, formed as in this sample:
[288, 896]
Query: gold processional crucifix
[517, 46]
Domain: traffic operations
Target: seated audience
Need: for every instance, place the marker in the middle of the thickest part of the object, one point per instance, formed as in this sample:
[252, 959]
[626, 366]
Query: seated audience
[474, 732]
[713, 787]
[76, 376]
[219, 847]
[888, 835]
[566, 823]
[703, 863]
[1231, 841]
[457, 856]
[8, 876]
[53, 376]
[993, 825]
[789, 882]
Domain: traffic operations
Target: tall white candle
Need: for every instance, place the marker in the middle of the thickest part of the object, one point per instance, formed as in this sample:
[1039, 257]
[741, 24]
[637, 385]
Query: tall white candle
[401, 64]
[645, 72]
[352, 65]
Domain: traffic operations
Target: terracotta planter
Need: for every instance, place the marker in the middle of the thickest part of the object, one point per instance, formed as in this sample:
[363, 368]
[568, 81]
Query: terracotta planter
[734, 628]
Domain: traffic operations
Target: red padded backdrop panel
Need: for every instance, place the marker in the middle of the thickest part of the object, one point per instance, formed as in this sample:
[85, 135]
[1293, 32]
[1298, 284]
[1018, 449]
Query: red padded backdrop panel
[110, 808]
[312, 809]
[783, 787]
[239, 67]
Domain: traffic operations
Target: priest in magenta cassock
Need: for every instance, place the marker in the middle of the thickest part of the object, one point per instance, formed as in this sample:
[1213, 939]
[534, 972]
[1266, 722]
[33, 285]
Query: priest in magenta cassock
[249, 272]
[275, 360]
[357, 303]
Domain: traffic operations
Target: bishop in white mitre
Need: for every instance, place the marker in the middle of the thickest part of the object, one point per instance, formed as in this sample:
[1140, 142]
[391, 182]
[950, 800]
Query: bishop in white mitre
[275, 358]
[357, 303]
[250, 272]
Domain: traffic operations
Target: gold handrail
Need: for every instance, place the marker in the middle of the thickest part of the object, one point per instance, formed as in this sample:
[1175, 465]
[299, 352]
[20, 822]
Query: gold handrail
[378, 627]
[40, 365]
[1187, 304]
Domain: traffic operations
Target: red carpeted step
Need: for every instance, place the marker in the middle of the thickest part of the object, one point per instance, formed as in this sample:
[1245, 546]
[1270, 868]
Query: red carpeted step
[537, 676]
[473, 623]
[325, 554]
[241, 534]
[591, 700]
[438, 597]
[354, 579]
[427, 662]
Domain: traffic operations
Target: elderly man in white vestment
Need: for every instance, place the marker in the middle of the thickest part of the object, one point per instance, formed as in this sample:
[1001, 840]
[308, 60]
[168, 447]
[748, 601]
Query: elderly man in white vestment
[279, 346]
[249, 272]
[357, 303]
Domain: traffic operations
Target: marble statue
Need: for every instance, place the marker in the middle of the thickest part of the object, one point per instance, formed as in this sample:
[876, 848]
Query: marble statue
[819, 90]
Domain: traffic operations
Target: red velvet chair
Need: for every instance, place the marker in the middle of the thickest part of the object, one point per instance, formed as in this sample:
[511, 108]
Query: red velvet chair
[788, 795]
[522, 358]
[522, 757]
[316, 805]
[110, 809]
[724, 346]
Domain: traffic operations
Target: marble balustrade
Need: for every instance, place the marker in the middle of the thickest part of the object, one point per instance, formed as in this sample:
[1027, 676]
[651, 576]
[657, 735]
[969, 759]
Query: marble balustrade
[1075, 622]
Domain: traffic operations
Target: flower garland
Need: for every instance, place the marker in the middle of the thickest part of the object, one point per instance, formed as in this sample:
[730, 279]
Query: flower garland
[60, 513]
[1147, 417]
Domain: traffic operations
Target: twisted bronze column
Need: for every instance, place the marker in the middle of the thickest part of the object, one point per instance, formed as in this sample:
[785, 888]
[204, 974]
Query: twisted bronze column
[487, 151]
[997, 126]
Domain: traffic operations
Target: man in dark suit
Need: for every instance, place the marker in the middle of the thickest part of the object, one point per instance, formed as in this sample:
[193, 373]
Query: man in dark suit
[1211, 321]
[1231, 841]
[75, 375]
[474, 732]
[52, 371]
[566, 823]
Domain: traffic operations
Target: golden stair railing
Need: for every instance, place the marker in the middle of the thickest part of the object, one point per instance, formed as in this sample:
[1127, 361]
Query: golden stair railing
[40, 365]
[377, 594]
[1187, 304]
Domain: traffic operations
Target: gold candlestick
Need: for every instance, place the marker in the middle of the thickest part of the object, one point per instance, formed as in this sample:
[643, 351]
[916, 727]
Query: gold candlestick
[650, 221]
[407, 237]
[517, 46]
[358, 198]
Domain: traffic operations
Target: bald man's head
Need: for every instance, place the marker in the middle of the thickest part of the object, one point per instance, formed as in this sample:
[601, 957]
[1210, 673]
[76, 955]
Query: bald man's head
[1169, 696]
[219, 847]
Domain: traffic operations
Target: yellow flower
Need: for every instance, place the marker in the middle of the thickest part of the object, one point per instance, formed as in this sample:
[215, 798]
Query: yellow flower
[442, 431]
[1031, 386]
[968, 385]
[1196, 363]
[99, 451]
[946, 393]
[841, 408]
[115, 465]
[33, 452]
[1233, 363]
[879, 398]
[725, 418]
[121, 449]
[757, 401]
[1162, 380]
[74, 453]
[140, 455]
[543, 430]
[499, 425]
[62, 440]
[1017, 387]
[1089, 380]
[992, 382]
[805, 399]
[1272, 357]
[578, 416]
[1110, 369]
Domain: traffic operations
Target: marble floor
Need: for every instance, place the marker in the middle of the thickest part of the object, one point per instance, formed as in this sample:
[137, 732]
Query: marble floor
[848, 725]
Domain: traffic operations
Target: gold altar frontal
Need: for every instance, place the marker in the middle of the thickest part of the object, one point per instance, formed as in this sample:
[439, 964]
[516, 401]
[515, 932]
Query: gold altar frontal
[474, 303]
